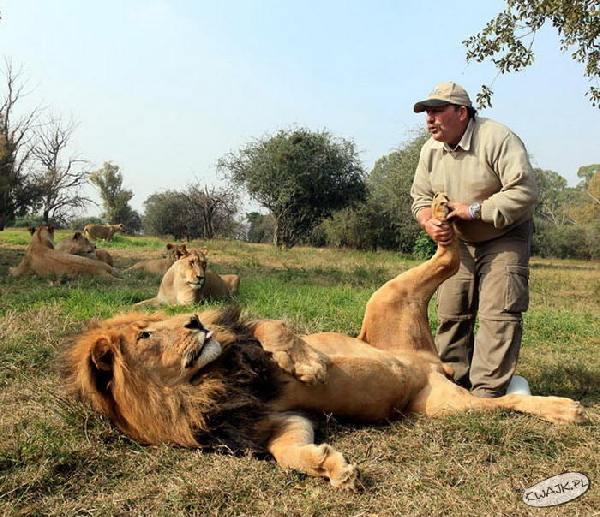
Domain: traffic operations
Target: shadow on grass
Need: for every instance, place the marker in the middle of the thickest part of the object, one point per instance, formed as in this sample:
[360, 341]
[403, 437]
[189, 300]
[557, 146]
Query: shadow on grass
[576, 381]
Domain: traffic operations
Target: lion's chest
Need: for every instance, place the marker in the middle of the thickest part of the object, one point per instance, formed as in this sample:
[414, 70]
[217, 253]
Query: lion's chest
[363, 388]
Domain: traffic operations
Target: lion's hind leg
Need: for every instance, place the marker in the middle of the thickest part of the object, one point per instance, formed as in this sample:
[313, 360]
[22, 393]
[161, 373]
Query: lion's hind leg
[442, 396]
[292, 445]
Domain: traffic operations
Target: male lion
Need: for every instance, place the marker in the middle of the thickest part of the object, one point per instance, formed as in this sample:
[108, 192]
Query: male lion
[102, 231]
[213, 381]
[79, 244]
[161, 266]
[41, 258]
[189, 280]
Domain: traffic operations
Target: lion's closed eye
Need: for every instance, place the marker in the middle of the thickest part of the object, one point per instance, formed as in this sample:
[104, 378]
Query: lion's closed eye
[143, 335]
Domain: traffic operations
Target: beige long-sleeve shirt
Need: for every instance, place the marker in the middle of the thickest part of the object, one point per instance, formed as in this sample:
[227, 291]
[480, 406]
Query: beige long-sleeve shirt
[490, 166]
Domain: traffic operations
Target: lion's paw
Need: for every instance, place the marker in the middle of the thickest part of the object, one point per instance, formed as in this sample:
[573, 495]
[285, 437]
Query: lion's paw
[563, 410]
[439, 206]
[348, 478]
[303, 362]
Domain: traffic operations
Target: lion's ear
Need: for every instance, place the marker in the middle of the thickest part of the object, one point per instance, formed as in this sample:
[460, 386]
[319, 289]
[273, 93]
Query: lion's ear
[181, 251]
[204, 251]
[103, 354]
[77, 235]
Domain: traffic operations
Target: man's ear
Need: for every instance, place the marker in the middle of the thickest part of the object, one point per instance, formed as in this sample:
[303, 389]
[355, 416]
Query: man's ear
[464, 113]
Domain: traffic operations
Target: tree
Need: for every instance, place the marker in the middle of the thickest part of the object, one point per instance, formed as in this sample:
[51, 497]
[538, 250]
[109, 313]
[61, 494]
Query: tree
[507, 40]
[390, 182]
[262, 227]
[60, 180]
[18, 190]
[212, 210]
[301, 176]
[115, 199]
[588, 209]
[586, 173]
[163, 215]
[551, 197]
[195, 213]
[363, 227]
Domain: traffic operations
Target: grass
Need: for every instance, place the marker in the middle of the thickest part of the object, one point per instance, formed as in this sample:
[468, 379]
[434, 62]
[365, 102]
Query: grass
[58, 458]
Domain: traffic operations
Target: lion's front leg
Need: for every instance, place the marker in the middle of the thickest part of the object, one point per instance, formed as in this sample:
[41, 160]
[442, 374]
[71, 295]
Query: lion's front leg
[292, 445]
[290, 352]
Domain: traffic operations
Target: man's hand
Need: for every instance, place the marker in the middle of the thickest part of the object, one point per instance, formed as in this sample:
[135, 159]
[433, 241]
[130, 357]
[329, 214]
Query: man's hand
[441, 233]
[458, 211]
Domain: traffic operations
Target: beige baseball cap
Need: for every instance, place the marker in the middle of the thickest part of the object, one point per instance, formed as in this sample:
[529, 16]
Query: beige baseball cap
[442, 95]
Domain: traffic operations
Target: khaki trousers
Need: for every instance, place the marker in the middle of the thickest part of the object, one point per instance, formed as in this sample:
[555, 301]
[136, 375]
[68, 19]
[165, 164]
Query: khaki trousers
[492, 287]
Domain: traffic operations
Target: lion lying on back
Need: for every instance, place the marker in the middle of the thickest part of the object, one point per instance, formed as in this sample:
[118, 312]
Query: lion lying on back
[41, 258]
[215, 381]
[189, 280]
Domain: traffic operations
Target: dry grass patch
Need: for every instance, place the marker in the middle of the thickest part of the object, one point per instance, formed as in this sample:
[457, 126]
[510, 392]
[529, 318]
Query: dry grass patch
[58, 458]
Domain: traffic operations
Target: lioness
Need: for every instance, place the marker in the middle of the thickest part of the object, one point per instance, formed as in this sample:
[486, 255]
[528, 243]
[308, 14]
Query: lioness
[161, 266]
[217, 382]
[41, 258]
[79, 244]
[102, 231]
[189, 280]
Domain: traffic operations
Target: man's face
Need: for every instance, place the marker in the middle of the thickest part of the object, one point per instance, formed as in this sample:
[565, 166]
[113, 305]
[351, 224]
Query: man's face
[447, 123]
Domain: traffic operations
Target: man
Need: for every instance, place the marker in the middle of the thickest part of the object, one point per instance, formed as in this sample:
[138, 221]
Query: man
[483, 168]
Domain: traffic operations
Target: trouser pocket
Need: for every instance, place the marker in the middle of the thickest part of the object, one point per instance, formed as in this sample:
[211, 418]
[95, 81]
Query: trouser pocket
[517, 289]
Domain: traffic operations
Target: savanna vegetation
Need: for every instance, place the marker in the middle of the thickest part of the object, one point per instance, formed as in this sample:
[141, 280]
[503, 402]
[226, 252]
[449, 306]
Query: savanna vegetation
[58, 458]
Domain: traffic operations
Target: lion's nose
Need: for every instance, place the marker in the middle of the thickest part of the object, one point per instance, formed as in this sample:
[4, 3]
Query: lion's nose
[194, 323]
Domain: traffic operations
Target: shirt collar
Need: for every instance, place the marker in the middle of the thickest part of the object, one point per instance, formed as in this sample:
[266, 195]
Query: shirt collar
[465, 141]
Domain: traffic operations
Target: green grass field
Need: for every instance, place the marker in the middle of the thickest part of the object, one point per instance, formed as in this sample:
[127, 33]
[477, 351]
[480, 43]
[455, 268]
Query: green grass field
[58, 458]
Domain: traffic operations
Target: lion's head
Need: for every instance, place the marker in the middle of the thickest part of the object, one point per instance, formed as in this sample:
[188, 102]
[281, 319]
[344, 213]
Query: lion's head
[172, 380]
[77, 244]
[43, 235]
[190, 269]
[176, 251]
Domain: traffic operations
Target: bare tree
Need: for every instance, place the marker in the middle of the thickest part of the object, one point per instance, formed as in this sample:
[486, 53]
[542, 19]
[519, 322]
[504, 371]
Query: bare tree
[18, 190]
[60, 179]
[214, 209]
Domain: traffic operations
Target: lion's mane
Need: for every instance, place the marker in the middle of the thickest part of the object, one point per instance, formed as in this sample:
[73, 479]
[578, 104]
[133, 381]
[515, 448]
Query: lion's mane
[220, 409]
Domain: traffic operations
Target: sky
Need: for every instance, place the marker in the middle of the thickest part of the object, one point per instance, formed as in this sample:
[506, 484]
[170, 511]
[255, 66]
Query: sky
[164, 88]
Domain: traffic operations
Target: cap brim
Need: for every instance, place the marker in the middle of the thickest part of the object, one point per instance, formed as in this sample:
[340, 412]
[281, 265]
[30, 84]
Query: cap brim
[431, 103]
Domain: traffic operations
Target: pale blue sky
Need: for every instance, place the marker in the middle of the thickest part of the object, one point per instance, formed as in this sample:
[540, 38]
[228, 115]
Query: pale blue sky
[164, 88]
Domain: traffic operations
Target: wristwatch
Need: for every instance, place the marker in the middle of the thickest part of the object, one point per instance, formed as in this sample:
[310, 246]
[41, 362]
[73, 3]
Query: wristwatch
[475, 211]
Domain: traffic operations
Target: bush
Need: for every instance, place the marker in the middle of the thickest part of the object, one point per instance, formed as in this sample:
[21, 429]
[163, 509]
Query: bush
[424, 246]
[580, 242]
[35, 220]
[81, 222]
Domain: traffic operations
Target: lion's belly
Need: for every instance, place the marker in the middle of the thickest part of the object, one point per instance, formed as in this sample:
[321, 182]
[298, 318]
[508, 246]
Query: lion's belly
[360, 387]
